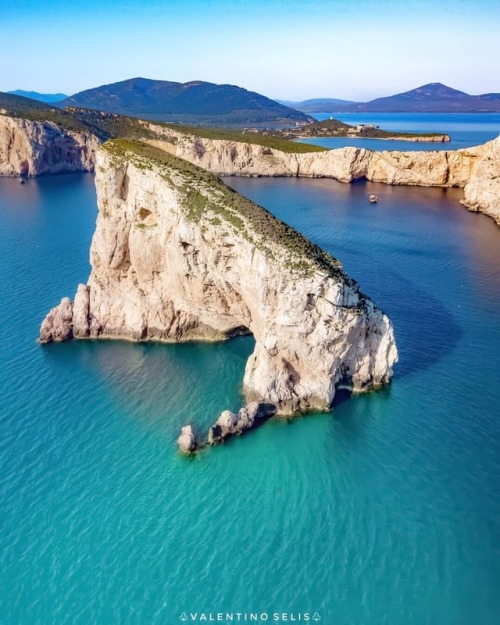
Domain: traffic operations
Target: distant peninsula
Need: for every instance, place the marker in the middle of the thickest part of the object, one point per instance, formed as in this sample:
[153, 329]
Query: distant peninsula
[331, 128]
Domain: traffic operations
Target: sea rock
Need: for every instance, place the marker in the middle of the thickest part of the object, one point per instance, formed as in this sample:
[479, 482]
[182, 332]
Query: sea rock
[187, 441]
[81, 327]
[178, 256]
[230, 424]
[58, 324]
[32, 148]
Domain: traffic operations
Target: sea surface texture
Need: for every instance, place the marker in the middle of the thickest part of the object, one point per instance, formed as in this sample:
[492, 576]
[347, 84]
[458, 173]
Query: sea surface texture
[383, 512]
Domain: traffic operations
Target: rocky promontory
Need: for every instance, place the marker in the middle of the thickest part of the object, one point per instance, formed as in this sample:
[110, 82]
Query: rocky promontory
[179, 256]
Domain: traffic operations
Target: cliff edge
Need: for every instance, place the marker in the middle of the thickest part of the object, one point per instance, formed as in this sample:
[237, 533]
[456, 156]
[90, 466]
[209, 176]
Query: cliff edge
[179, 256]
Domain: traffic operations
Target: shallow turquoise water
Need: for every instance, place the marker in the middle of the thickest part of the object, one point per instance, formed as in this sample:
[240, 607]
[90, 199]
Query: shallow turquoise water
[465, 129]
[384, 512]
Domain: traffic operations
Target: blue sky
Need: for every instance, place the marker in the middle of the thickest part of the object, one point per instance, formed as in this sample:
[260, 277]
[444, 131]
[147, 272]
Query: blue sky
[352, 49]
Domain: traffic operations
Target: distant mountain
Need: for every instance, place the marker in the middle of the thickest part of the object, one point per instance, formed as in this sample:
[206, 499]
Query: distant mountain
[34, 110]
[432, 98]
[490, 96]
[318, 105]
[193, 103]
[49, 98]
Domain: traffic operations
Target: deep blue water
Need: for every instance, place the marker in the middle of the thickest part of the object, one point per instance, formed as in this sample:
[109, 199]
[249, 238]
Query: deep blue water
[465, 129]
[385, 511]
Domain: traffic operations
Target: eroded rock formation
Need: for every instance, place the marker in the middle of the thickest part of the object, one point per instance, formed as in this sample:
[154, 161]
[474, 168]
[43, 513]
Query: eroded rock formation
[187, 440]
[179, 256]
[234, 423]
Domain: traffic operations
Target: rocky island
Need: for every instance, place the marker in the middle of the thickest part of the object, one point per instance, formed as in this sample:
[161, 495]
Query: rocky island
[179, 256]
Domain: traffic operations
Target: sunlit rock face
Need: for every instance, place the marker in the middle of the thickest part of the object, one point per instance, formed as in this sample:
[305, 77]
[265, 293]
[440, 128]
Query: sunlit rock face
[31, 148]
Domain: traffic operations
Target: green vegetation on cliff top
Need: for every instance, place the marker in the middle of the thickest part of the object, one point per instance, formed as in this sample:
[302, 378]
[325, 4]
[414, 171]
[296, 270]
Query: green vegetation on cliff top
[110, 125]
[206, 196]
[255, 138]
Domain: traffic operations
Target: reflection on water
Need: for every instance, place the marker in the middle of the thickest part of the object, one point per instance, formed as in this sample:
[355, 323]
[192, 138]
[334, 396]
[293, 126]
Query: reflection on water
[179, 378]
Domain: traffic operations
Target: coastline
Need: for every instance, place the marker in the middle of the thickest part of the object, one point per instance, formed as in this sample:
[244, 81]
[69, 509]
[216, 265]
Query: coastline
[444, 138]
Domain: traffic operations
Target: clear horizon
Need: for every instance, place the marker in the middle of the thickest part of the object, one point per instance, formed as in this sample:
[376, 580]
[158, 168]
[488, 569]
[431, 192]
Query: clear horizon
[353, 50]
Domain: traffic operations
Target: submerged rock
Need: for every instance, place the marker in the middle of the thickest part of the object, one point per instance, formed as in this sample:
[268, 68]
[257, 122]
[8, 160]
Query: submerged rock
[232, 423]
[187, 440]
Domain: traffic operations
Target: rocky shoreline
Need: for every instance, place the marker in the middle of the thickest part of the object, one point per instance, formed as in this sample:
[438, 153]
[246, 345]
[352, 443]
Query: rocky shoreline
[475, 169]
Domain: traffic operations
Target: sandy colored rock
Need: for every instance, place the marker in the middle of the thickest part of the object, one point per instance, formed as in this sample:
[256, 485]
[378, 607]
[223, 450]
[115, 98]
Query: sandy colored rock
[30, 148]
[58, 324]
[187, 441]
[231, 424]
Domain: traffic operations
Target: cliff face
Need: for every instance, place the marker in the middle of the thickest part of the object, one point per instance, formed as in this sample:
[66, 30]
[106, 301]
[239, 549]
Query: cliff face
[482, 191]
[178, 256]
[475, 169]
[427, 168]
[30, 148]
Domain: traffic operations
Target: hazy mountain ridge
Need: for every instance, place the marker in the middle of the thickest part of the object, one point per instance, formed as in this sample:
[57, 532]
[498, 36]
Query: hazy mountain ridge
[48, 98]
[429, 98]
[192, 102]
[318, 105]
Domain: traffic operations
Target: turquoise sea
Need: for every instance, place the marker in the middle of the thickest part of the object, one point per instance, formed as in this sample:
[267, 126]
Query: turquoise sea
[383, 512]
[465, 129]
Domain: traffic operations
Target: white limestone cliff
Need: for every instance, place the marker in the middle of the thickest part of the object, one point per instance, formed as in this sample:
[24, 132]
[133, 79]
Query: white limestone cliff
[32, 148]
[178, 256]
[482, 190]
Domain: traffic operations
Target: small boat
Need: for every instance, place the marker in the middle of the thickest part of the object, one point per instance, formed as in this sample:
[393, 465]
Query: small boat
[373, 199]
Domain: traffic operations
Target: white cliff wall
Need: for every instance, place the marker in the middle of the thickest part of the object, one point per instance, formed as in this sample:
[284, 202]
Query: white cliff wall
[29, 148]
